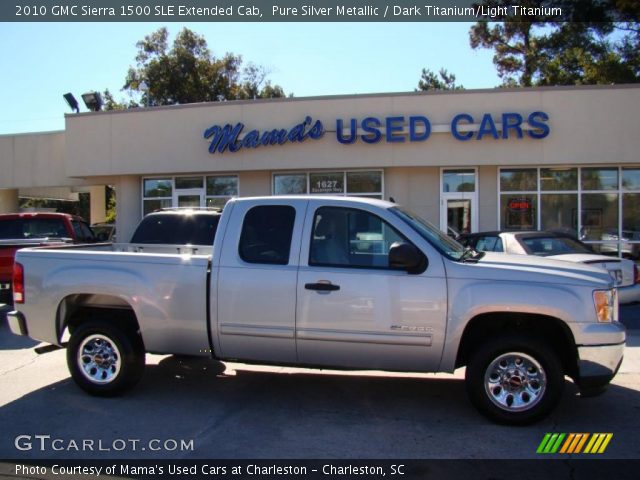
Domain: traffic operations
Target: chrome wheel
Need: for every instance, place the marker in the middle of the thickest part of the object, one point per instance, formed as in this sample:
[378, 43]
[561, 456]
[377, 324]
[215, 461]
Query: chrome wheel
[515, 381]
[99, 359]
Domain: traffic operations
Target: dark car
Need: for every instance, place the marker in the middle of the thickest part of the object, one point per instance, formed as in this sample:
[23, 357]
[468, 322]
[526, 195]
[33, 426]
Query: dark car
[178, 226]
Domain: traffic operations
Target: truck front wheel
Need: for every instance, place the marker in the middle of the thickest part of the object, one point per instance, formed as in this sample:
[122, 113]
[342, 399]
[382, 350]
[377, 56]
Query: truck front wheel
[514, 380]
[104, 359]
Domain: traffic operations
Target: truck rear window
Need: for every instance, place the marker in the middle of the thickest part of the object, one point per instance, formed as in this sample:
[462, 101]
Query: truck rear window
[21, 228]
[177, 229]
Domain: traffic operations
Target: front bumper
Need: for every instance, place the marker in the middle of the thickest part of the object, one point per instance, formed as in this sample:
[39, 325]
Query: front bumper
[629, 294]
[600, 352]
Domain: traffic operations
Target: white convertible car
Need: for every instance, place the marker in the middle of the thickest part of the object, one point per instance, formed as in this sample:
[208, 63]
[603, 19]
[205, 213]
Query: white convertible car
[560, 247]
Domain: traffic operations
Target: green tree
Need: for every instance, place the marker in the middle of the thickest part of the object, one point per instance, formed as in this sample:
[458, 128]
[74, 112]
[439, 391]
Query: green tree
[110, 103]
[549, 52]
[443, 80]
[188, 72]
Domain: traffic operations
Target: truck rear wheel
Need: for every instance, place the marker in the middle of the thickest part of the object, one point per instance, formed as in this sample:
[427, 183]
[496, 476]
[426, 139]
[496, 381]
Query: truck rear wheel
[105, 359]
[514, 380]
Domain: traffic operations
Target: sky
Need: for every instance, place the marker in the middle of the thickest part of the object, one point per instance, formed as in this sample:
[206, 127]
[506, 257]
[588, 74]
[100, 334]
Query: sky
[39, 62]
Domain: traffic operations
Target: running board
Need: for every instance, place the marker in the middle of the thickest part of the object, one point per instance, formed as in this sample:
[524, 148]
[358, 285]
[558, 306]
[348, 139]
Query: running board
[49, 348]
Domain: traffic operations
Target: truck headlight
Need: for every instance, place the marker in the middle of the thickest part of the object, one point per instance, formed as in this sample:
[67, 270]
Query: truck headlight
[606, 303]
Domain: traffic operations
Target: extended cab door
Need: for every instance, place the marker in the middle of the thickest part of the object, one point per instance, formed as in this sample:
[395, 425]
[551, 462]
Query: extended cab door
[256, 281]
[353, 310]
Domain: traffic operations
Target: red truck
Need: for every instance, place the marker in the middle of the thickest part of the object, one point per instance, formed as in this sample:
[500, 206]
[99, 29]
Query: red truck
[20, 230]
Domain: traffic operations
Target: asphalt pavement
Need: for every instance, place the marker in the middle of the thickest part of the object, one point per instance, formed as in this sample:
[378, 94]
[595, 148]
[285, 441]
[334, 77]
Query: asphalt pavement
[235, 410]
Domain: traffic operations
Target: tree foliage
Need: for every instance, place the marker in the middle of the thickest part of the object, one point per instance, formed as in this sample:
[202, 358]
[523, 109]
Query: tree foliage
[187, 72]
[443, 80]
[549, 52]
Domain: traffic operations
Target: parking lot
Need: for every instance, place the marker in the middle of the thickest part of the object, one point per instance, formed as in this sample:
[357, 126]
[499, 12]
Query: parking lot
[242, 411]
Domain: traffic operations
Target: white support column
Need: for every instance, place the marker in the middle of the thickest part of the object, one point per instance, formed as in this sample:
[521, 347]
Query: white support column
[9, 200]
[97, 200]
[128, 206]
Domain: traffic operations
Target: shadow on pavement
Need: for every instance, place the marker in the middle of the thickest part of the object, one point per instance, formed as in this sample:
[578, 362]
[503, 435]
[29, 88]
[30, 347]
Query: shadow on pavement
[245, 413]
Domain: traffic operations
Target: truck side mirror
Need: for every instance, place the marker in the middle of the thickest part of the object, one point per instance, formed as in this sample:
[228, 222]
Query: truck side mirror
[407, 257]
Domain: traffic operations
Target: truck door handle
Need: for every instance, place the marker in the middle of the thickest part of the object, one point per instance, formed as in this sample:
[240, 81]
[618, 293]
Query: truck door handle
[322, 286]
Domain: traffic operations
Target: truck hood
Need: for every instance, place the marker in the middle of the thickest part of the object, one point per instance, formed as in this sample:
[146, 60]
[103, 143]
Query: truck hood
[526, 268]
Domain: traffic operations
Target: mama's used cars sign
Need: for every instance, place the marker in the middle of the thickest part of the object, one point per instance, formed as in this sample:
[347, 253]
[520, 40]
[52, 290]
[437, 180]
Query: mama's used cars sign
[394, 129]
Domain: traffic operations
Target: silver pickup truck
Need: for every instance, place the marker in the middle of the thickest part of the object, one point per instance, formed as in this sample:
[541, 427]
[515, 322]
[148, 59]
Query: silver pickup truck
[329, 282]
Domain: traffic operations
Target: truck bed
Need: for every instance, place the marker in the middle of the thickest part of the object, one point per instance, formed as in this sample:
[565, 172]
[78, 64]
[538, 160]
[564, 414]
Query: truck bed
[104, 274]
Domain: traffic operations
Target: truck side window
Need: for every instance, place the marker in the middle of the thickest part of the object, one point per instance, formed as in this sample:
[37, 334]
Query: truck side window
[266, 234]
[347, 237]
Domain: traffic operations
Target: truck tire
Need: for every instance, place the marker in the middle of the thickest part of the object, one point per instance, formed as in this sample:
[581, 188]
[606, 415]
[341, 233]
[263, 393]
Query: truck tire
[514, 380]
[105, 359]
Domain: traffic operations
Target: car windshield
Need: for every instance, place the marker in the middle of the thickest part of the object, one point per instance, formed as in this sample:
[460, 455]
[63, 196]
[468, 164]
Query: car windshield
[544, 246]
[445, 244]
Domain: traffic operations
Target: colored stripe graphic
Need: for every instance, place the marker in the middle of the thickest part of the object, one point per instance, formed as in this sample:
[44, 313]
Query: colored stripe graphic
[574, 443]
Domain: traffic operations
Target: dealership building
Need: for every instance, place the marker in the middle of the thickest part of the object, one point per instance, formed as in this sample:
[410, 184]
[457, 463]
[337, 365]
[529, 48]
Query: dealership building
[529, 158]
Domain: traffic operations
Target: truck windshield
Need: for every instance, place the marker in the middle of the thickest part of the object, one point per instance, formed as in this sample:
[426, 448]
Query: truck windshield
[446, 245]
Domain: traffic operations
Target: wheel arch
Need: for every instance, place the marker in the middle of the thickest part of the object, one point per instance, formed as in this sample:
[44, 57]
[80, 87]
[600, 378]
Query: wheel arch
[549, 329]
[77, 308]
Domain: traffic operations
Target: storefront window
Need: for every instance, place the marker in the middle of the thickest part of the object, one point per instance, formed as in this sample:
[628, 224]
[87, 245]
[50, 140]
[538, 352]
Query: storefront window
[290, 184]
[630, 235]
[554, 179]
[603, 208]
[599, 216]
[158, 193]
[519, 212]
[631, 178]
[559, 212]
[599, 178]
[193, 191]
[326, 183]
[364, 183]
[459, 181]
[222, 186]
[220, 189]
[519, 180]
[361, 184]
[188, 182]
[158, 187]
[153, 205]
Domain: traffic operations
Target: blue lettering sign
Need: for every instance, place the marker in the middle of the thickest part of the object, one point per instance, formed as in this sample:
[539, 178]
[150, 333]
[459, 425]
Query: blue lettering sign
[354, 131]
[536, 120]
[454, 126]
[414, 136]
[395, 129]
[487, 125]
[370, 125]
[228, 137]
[512, 121]
[394, 124]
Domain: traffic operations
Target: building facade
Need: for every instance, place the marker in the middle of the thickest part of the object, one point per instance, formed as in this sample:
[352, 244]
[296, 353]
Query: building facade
[544, 158]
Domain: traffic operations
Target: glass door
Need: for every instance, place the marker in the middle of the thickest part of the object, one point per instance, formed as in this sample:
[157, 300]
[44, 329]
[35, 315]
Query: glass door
[458, 202]
[186, 198]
